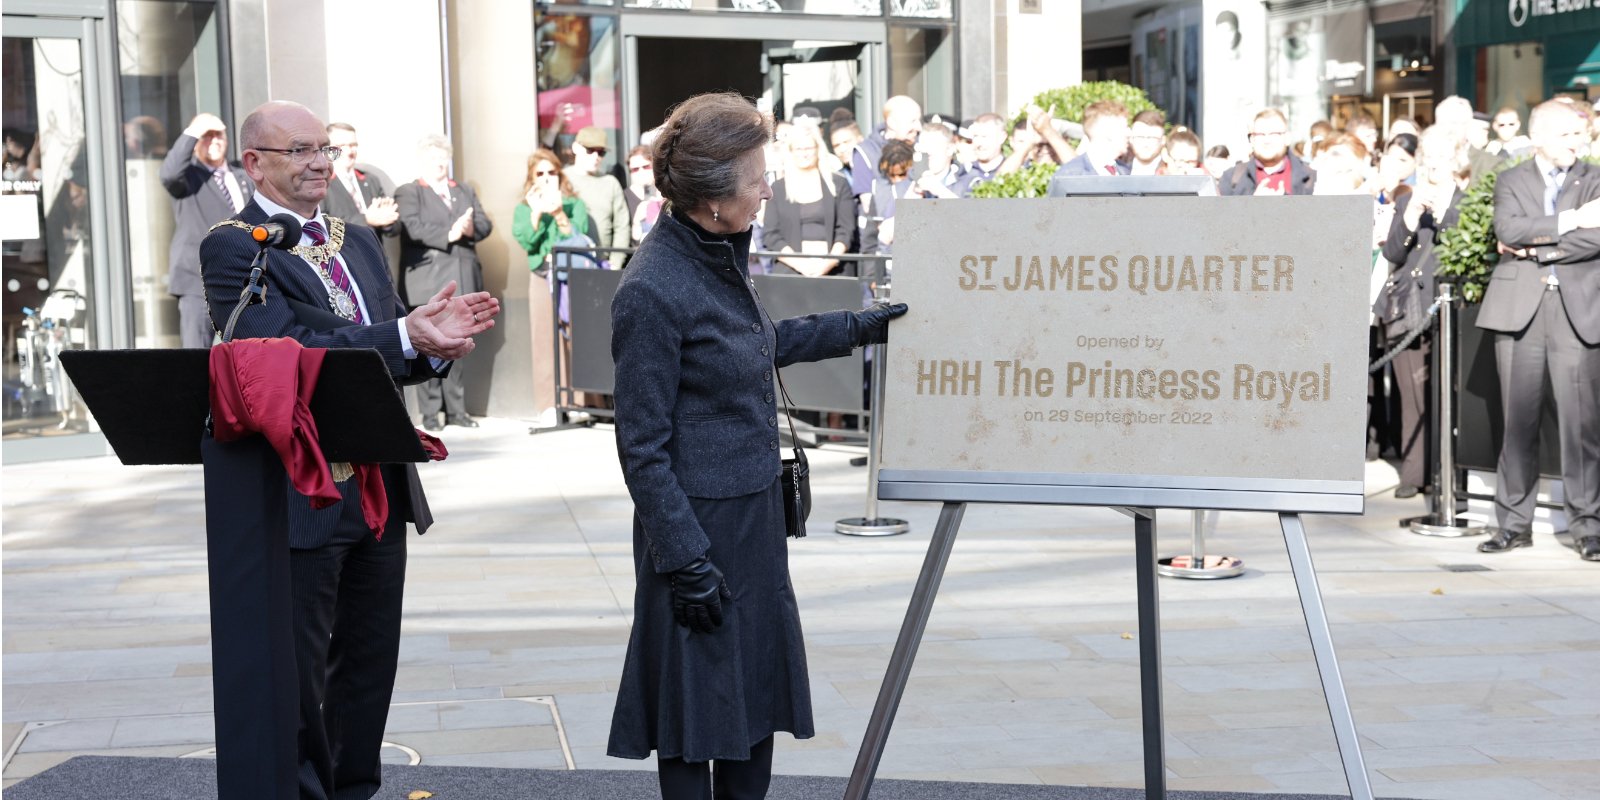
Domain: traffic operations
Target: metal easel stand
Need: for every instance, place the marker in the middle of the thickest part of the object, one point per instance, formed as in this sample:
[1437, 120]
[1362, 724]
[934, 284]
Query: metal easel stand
[1196, 569]
[1144, 527]
[1443, 521]
[872, 524]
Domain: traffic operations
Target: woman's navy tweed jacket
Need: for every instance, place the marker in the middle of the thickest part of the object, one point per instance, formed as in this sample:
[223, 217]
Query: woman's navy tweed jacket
[696, 392]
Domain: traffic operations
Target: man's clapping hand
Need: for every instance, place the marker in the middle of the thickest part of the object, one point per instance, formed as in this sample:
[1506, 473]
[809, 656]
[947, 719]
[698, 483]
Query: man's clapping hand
[462, 226]
[445, 326]
[382, 212]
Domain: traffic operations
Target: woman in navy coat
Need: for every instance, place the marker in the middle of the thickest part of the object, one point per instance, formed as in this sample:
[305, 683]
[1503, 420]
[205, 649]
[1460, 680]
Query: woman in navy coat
[716, 661]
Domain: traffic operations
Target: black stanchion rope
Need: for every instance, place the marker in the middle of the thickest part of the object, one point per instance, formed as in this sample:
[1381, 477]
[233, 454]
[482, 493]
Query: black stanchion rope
[1422, 327]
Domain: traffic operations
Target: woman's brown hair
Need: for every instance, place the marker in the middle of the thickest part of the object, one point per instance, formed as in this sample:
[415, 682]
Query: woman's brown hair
[543, 155]
[696, 155]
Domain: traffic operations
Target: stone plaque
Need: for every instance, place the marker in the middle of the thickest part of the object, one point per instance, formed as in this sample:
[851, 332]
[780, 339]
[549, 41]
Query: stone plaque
[1179, 341]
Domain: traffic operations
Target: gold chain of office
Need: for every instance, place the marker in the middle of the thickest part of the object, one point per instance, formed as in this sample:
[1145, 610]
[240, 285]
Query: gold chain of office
[319, 256]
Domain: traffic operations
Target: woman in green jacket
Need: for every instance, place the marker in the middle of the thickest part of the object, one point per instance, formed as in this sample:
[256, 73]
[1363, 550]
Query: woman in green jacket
[550, 211]
[550, 214]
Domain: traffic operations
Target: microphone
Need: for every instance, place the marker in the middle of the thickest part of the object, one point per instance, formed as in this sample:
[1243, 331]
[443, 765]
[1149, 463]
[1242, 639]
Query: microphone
[281, 231]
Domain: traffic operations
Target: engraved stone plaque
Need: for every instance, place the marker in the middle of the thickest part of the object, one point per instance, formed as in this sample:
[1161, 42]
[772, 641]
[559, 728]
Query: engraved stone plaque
[1178, 341]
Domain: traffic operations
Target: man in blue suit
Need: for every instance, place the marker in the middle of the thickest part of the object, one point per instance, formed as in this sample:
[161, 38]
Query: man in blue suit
[346, 580]
[1105, 142]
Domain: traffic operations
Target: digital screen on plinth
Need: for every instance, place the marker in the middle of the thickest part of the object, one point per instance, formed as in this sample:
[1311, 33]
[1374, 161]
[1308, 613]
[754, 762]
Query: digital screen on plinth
[1181, 340]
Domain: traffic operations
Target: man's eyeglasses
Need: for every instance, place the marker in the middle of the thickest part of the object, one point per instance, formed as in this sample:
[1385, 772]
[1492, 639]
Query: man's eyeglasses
[1268, 135]
[303, 155]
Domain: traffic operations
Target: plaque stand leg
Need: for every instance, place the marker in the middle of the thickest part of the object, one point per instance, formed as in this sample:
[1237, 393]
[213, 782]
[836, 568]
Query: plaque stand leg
[1155, 740]
[1144, 527]
[905, 651]
[1344, 724]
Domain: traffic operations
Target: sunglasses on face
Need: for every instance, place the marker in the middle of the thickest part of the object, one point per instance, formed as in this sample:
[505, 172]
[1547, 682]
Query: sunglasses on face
[640, 168]
[598, 151]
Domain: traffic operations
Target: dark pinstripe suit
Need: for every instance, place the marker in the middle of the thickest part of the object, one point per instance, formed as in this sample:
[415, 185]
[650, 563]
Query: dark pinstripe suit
[347, 584]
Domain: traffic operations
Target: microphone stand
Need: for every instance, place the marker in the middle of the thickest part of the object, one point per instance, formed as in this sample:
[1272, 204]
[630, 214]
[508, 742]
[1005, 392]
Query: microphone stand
[254, 292]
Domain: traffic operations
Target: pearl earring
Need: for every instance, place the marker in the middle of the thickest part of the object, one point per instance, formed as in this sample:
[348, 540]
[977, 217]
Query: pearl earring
[716, 216]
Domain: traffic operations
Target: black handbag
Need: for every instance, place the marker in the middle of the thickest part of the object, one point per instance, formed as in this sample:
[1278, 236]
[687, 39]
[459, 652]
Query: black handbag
[796, 476]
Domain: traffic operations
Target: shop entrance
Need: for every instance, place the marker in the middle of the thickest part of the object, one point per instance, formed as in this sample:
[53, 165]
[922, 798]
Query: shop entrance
[53, 220]
[824, 64]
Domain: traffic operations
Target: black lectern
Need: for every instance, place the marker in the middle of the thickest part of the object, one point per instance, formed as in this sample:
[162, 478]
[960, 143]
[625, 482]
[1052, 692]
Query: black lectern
[152, 406]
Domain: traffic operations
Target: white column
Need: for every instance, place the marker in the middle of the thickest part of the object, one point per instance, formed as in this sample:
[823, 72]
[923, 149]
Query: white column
[1233, 83]
[385, 77]
[1038, 45]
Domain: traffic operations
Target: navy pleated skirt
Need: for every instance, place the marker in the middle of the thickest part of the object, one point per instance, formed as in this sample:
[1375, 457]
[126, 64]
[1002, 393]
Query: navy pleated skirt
[705, 696]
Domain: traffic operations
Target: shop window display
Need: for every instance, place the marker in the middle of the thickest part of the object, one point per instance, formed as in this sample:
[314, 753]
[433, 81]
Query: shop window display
[48, 239]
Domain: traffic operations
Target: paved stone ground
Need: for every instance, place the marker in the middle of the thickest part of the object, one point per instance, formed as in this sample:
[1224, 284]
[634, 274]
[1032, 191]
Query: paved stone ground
[1465, 685]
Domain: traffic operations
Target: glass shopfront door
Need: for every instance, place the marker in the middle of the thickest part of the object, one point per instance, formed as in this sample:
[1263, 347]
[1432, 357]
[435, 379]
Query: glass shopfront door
[820, 63]
[52, 211]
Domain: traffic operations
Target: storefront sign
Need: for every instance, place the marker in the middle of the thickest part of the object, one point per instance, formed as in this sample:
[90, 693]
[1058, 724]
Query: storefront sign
[1487, 22]
[1522, 10]
[1190, 338]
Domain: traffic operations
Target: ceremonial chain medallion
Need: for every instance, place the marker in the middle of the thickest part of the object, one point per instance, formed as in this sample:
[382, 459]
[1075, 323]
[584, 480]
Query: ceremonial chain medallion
[319, 256]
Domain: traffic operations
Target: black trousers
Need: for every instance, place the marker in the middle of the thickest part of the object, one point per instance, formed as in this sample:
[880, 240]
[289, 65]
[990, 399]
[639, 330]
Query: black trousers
[347, 597]
[194, 321]
[729, 780]
[447, 394]
[1412, 382]
[1549, 350]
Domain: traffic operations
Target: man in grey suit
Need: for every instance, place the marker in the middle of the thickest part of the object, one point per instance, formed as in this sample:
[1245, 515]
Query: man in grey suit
[1543, 303]
[441, 223]
[205, 190]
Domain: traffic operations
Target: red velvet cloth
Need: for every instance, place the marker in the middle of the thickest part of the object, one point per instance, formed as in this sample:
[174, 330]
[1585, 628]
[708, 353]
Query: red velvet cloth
[264, 386]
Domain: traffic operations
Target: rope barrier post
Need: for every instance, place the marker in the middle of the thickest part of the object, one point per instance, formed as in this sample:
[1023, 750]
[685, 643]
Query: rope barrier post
[872, 524]
[1443, 521]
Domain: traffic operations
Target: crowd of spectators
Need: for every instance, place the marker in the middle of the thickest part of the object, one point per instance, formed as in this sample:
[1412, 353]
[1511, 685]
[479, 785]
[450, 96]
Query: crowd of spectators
[837, 181]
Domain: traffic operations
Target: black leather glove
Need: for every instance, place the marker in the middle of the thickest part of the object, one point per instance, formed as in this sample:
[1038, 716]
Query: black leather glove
[697, 592]
[872, 325]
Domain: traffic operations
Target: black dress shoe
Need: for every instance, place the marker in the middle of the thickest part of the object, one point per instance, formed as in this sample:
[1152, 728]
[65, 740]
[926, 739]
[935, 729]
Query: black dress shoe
[1405, 491]
[1589, 548]
[432, 424]
[461, 421]
[1504, 540]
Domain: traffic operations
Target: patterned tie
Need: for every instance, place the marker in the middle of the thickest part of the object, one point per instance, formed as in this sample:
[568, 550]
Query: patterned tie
[1552, 189]
[336, 274]
[1552, 192]
[220, 177]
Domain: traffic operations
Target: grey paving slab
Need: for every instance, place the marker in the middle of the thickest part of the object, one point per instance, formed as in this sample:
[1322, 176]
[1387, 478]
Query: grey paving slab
[1464, 685]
